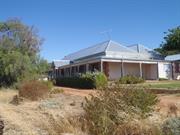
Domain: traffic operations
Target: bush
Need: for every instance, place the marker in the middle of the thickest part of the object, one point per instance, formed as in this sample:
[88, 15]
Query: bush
[113, 107]
[100, 80]
[49, 84]
[163, 79]
[86, 81]
[75, 82]
[56, 91]
[33, 90]
[130, 80]
[171, 126]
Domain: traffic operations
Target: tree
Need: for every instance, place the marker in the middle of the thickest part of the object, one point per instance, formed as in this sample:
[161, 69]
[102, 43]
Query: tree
[19, 52]
[171, 45]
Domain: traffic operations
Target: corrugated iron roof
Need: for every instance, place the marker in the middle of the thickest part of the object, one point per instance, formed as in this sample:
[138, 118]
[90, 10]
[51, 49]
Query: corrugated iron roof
[175, 57]
[97, 49]
[139, 48]
[116, 50]
[59, 63]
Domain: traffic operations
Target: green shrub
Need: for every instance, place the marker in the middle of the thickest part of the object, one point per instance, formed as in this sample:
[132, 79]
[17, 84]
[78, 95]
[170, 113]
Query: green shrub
[33, 90]
[130, 80]
[100, 80]
[163, 79]
[111, 108]
[171, 126]
[75, 82]
[86, 81]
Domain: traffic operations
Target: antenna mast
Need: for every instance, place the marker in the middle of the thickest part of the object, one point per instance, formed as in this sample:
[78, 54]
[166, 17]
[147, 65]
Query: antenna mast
[107, 33]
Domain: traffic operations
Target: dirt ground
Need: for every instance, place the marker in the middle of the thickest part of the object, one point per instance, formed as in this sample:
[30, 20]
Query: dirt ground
[29, 117]
[166, 101]
[77, 92]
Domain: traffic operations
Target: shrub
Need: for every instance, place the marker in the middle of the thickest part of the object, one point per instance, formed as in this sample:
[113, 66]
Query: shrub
[75, 82]
[163, 79]
[130, 80]
[171, 126]
[113, 107]
[56, 91]
[49, 84]
[86, 81]
[33, 90]
[100, 80]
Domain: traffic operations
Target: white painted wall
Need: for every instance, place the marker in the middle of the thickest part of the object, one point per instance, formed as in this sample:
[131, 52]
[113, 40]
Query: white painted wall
[114, 70]
[149, 70]
[165, 70]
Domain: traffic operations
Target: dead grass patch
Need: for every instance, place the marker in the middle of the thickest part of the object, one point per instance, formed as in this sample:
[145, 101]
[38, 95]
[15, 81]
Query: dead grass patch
[62, 125]
[33, 90]
[6, 95]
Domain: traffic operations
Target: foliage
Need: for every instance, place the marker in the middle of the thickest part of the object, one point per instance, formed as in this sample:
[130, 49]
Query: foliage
[33, 90]
[56, 91]
[171, 45]
[171, 126]
[99, 79]
[116, 106]
[19, 53]
[163, 79]
[130, 80]
[49, 84]
[75, 82]
[87, 81]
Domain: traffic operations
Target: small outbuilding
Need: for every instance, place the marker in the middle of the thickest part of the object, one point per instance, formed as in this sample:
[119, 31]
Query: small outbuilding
[175, 60]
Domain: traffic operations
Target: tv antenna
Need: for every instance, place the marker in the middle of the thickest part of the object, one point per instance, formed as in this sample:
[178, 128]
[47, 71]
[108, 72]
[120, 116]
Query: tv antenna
[107, 33]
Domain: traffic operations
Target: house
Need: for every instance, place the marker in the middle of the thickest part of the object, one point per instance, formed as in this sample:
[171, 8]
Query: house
[175, 60]
[115, 60]
[54, 72]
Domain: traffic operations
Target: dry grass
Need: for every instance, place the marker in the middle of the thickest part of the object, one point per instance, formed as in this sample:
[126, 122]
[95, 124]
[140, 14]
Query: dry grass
[173, 109]
[29, 119]
[139, 127]
[6, 95]
[61, 125]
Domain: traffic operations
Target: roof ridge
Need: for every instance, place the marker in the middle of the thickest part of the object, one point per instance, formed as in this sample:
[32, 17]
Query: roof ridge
[141, 45]
[122, 46]
[88, 47]
[107, 45]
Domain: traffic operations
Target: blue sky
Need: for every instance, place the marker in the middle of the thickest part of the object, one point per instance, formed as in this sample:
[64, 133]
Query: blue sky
[70, 25]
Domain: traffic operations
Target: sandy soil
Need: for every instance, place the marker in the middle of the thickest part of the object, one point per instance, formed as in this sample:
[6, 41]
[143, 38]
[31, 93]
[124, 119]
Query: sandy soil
[29, 117]
[77, 92]
[166, 101]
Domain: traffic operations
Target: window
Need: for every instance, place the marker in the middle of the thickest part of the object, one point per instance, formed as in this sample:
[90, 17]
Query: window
[82, 68]
[94, 67]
